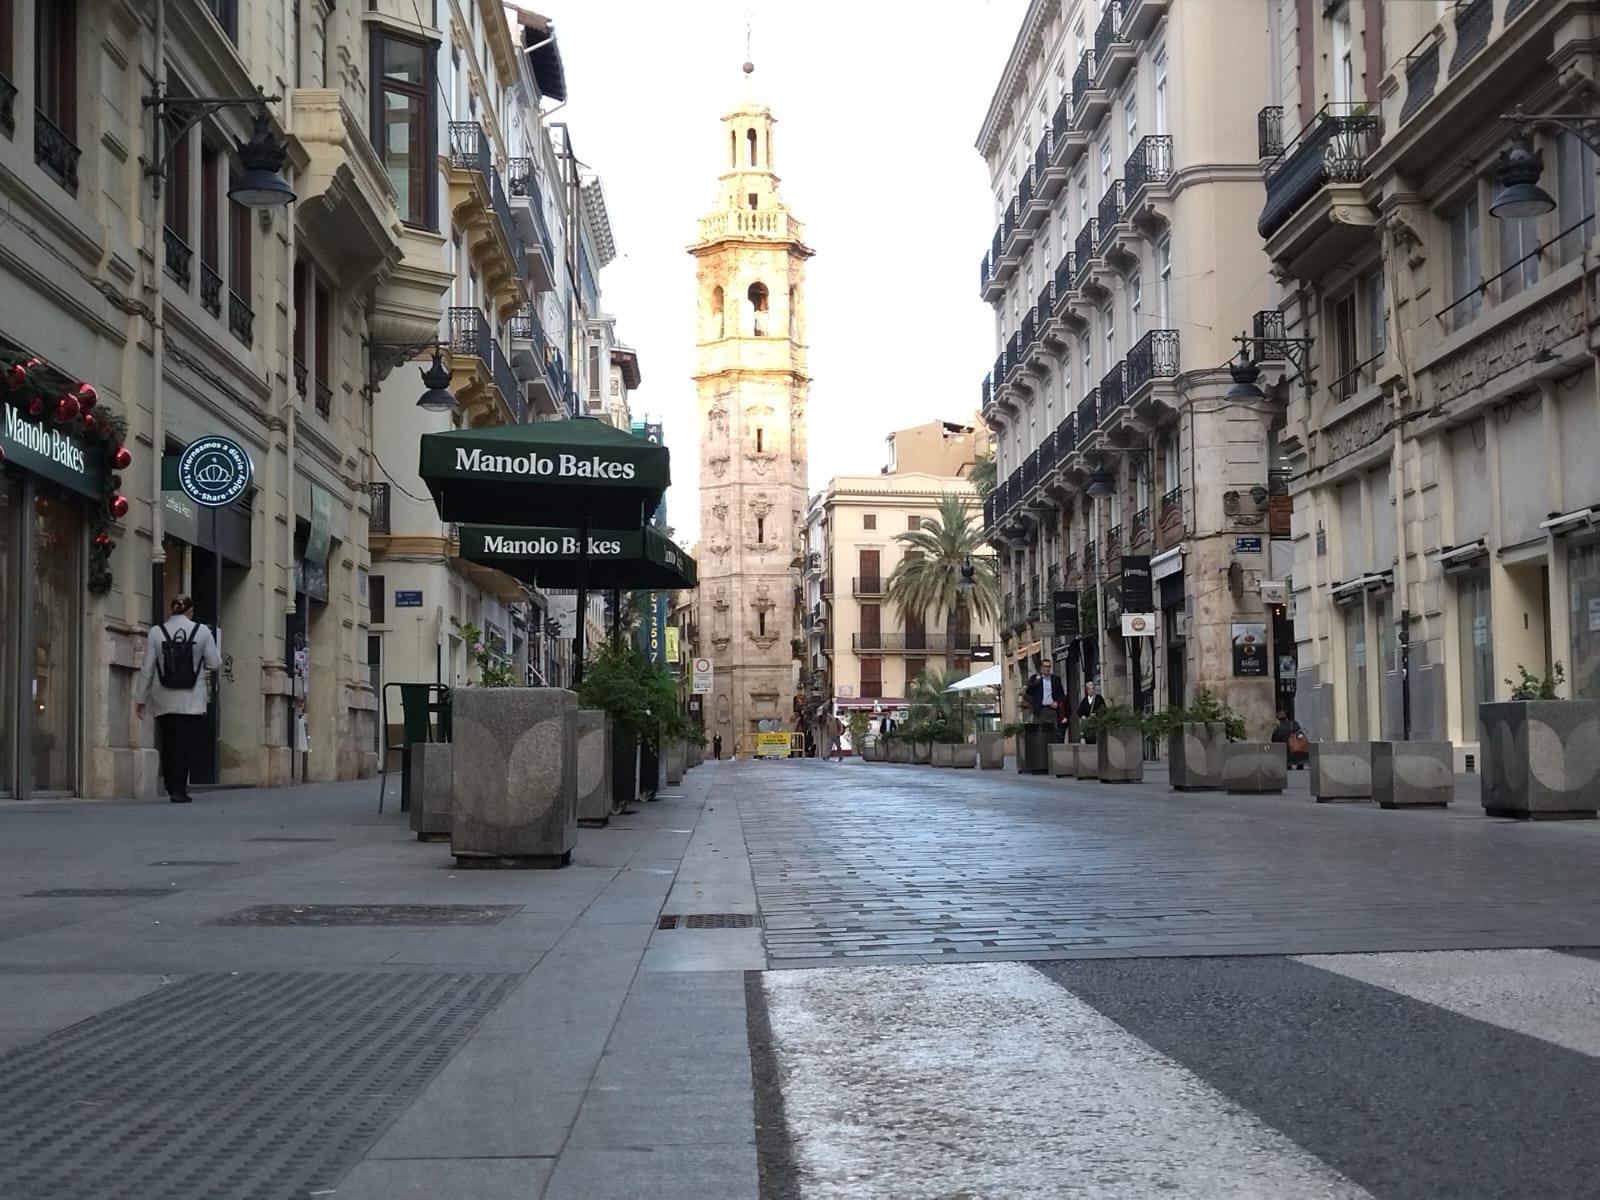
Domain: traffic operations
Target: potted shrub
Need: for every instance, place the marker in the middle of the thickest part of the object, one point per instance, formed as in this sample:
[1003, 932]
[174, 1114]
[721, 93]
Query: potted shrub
[857, 725]
[1118, 732]
[1197, 737]
[992, 747]
[1541, 754]
[641, 699]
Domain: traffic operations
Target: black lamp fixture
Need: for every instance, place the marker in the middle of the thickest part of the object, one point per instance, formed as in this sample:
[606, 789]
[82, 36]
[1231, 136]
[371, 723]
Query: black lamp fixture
[436, 378]
[1102, 483]
[261, 184]
[1520, 195]
[969, 578]
[1245, 373]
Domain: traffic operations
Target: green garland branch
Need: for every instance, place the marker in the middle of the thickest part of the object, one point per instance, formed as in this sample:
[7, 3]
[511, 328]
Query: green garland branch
[47, 397]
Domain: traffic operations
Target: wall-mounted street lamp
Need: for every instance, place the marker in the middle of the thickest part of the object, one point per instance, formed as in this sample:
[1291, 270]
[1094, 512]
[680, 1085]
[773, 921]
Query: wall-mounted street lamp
[1245, 372]
[969, 579]
[436, 378]
[261, 184]
[1520, 166]
[382, 357]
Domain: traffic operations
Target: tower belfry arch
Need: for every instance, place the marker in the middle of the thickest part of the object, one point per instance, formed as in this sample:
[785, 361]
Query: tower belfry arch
[752, 385]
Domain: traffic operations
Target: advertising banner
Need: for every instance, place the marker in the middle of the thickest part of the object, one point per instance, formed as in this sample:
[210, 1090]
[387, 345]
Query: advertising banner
[1065, 607]
[1137, 593]
[1250, 651]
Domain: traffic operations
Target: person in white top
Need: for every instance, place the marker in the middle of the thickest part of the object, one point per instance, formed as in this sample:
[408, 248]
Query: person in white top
[177, 655]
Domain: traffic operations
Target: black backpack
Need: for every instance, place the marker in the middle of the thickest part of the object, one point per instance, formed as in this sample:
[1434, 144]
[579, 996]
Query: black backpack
[176, 668]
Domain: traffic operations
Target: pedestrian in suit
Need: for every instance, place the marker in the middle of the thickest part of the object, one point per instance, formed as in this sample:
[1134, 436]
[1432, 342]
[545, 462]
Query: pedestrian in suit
[1088, 706]
[178, 653]
[1044, 693]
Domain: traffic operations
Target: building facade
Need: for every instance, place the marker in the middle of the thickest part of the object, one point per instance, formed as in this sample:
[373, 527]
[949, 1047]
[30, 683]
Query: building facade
[751, 380]
[1442, 413]
[128, 266]
[1122, 150]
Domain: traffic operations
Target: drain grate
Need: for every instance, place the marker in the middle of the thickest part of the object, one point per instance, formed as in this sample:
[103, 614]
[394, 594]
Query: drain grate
[291, 839]
[230, 1085]
[197, 862]
[136, 893]
[370, 914]
[706, 921]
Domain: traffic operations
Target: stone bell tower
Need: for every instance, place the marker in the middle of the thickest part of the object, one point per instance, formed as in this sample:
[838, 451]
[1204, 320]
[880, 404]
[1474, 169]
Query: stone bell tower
[750, 374]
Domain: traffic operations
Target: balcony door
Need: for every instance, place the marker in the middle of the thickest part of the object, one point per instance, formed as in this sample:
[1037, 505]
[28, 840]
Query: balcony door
[871, 627]
[869, 569]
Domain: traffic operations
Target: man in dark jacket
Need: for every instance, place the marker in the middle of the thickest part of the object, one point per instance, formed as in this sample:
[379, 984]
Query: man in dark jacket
[1044, 693]
[1088, 706]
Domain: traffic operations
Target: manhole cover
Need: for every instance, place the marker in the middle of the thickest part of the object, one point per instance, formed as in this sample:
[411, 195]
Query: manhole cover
[196, 862]
[371, 914]
[707, 921]
[230, 1085]
[291, 839]
[85, 893]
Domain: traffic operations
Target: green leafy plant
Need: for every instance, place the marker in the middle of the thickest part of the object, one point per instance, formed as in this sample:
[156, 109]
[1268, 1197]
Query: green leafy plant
[938, 714]
[1534, 687]
[929, 578]
[1012, 728]
[1114, 716]
[1203, 709]
[984, 474]
[495, 668]
[857, 723]
[640, 696]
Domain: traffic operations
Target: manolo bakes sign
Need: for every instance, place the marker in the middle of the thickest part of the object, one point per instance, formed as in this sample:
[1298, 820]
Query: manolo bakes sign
[50, 453]
[560, 466]
[548, 547]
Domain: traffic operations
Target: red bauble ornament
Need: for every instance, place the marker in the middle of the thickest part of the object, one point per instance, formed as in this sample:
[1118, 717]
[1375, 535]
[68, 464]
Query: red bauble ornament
[17, 376]
[31, 364]
[88, 422]
[66, 409]
[87, 396]
[2, 456]
[36, 406]
[121, 459]
[119, 507]
[103, 540]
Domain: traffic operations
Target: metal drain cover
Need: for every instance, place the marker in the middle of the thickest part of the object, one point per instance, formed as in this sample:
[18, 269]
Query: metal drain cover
[136, 893]
[370, 914]
[707, 921]
[230, 1085]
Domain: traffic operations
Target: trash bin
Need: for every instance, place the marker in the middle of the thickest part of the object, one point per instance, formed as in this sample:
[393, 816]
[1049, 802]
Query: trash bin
[649, 771]
[1033, 747]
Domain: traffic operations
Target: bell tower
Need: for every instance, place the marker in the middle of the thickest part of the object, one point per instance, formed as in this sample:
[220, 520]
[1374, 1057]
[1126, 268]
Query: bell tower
[751, 380]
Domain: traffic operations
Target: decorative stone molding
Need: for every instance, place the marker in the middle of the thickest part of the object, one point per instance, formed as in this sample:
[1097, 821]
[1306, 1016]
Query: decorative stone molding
[719, 510]
[1353, 432]
[1405, 223]
[1507, 346]
[718, 464]
[760, 463]
[761, 506]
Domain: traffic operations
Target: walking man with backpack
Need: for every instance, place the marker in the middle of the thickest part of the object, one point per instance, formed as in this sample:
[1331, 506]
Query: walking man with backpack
[177, 655]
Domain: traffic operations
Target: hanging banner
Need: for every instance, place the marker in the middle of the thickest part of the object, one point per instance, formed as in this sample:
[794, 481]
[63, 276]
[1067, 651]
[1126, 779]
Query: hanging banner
[672, 643]
[321, 525]
[654, 633]
[1137, 588]
[1250, 651]
[1065, 607]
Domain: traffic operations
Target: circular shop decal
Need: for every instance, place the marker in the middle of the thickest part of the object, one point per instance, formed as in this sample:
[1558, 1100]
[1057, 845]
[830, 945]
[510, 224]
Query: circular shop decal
[214, 471]
[1138, 624]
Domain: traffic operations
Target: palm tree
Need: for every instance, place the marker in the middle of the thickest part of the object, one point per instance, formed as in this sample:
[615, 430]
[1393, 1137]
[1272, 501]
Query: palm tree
[933, 702]
[983, 475]
[938, 552]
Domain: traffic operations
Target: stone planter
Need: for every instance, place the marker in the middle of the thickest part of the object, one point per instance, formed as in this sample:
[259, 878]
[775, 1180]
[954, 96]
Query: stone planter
[1413, 774]
[514, 793]
[944, 754]
[1255, 767]
[1341, 772]
[430, 791]
[992, 751]
[624, 770]
[1194, 756]
[650, 772]
[594, 766]
[899, 751]
[1064, 761]
[1033, 747]
[1119, 756]
[922, 753]
[964, 757]
[672, 763]
[1541, 758]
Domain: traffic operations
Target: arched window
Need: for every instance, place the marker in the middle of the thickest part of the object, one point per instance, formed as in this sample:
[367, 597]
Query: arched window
[761, 438]
[716, 311]
[750, 136]
[794, 319]
[769, 149]
[758, 308]
[733, 149]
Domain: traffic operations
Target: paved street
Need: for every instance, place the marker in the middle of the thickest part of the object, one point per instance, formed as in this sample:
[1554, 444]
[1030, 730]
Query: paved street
[1032, 988]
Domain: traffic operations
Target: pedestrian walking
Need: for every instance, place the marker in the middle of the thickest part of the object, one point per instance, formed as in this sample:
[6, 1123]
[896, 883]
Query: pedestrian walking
[1089, 705]
[716, 747]
[1297, 747]
[177, 655]
[1044, 692]
[833, 731]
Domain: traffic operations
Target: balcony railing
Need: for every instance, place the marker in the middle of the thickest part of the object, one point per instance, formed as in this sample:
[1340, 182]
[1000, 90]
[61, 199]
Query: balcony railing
[1089, 413]
[991, 507]
[1047, 452]
[180, 257]
[866, 585]
[526, 326]
[8, 96]
[1422, 76]
[1111, 207]
[1083, 77]
[913, 643]
[1030, 471]
[1109, 30]
[470, 334]
[1357, 378]
[324, 400]
[55, 151]
[1066, 274]
[241, 318]
[210, 289]
[1173, 498]
[523, 185]
[470, 150]
[302, 377]
[1150, 162]
[1269, 131]
[1014, 352]
[987, 393]
[1271, 336]
[1045, 309]
[1154, 356]
[1113, 391]
[1088, 242]
[1473, 21]
[378, 520]
[1041, 155]
[1059, 121]
[985, 271]
[1066, 437]
[1334, 148]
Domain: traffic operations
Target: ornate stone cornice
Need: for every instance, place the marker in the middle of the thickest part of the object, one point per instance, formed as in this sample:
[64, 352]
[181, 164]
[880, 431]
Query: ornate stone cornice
[1015, 76]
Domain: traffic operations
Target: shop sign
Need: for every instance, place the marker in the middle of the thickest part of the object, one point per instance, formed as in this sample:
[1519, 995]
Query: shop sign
[1250, 651]
[407, 599]
[672, 643]
[49, 453]
[1137, 588]
[702, 676]
[182, 518]
[1274, 591]
[1140, 624]
[321, 525]
[655, 624]
[561, 466]
[1064, 606]
[214, 471]
[979, 654]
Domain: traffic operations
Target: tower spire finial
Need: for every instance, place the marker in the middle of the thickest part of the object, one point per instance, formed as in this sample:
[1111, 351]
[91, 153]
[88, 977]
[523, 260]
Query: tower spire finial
[749, 22]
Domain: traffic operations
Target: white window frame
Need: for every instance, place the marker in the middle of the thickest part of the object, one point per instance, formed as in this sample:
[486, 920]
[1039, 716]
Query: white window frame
[1158, 69]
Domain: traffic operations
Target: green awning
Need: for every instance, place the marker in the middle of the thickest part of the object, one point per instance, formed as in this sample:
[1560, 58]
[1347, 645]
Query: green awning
[580, 468]
[639, 558]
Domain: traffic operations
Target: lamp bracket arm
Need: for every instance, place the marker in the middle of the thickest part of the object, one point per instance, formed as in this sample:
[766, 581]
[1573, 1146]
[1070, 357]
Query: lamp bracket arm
[1583, 126]
[193, 109]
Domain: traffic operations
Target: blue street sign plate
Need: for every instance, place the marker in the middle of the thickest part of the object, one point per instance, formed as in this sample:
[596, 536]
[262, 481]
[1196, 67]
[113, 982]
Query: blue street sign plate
[407, 599]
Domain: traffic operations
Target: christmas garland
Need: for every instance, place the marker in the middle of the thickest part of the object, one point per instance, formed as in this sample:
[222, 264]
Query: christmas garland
[48, 396]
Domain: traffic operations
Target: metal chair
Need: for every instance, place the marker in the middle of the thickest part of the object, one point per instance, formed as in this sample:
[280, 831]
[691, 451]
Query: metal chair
[424, 717]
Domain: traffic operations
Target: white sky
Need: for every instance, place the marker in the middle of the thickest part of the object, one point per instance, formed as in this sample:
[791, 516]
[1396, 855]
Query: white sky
[878, 103]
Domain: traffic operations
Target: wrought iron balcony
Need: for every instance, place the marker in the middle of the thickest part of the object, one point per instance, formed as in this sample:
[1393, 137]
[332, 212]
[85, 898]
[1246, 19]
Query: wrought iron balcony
[1087, 245]
[1059, 122]
[470, 335]
[1473, 21]
[1271, 336]
[1066, 275]
[1083, 78]
[1113, 391]
[55, 152]
[1334, 148]
[470, 150]
[987, 394]
[1047, 453]
[1109, 30]
[8, 96]
[241, 318]
[378, 518]
[524, 186]
[1089, 413]
[999, 375]
[1154, 356]
[1422, 77]
[866, 585]
[1112, 205]
[180, 257]
[1066, 437]
[1269, 131]
[324, 400]
[210, 289]
[914, 642]
[1030, 472]
[1041, 155]
[991, 503]
[1150, 162]
[1014, 352]
[1045, 308]
[302, 377]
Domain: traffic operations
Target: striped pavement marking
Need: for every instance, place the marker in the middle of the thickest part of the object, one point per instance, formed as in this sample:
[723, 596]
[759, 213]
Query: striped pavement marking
[989, 1080]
